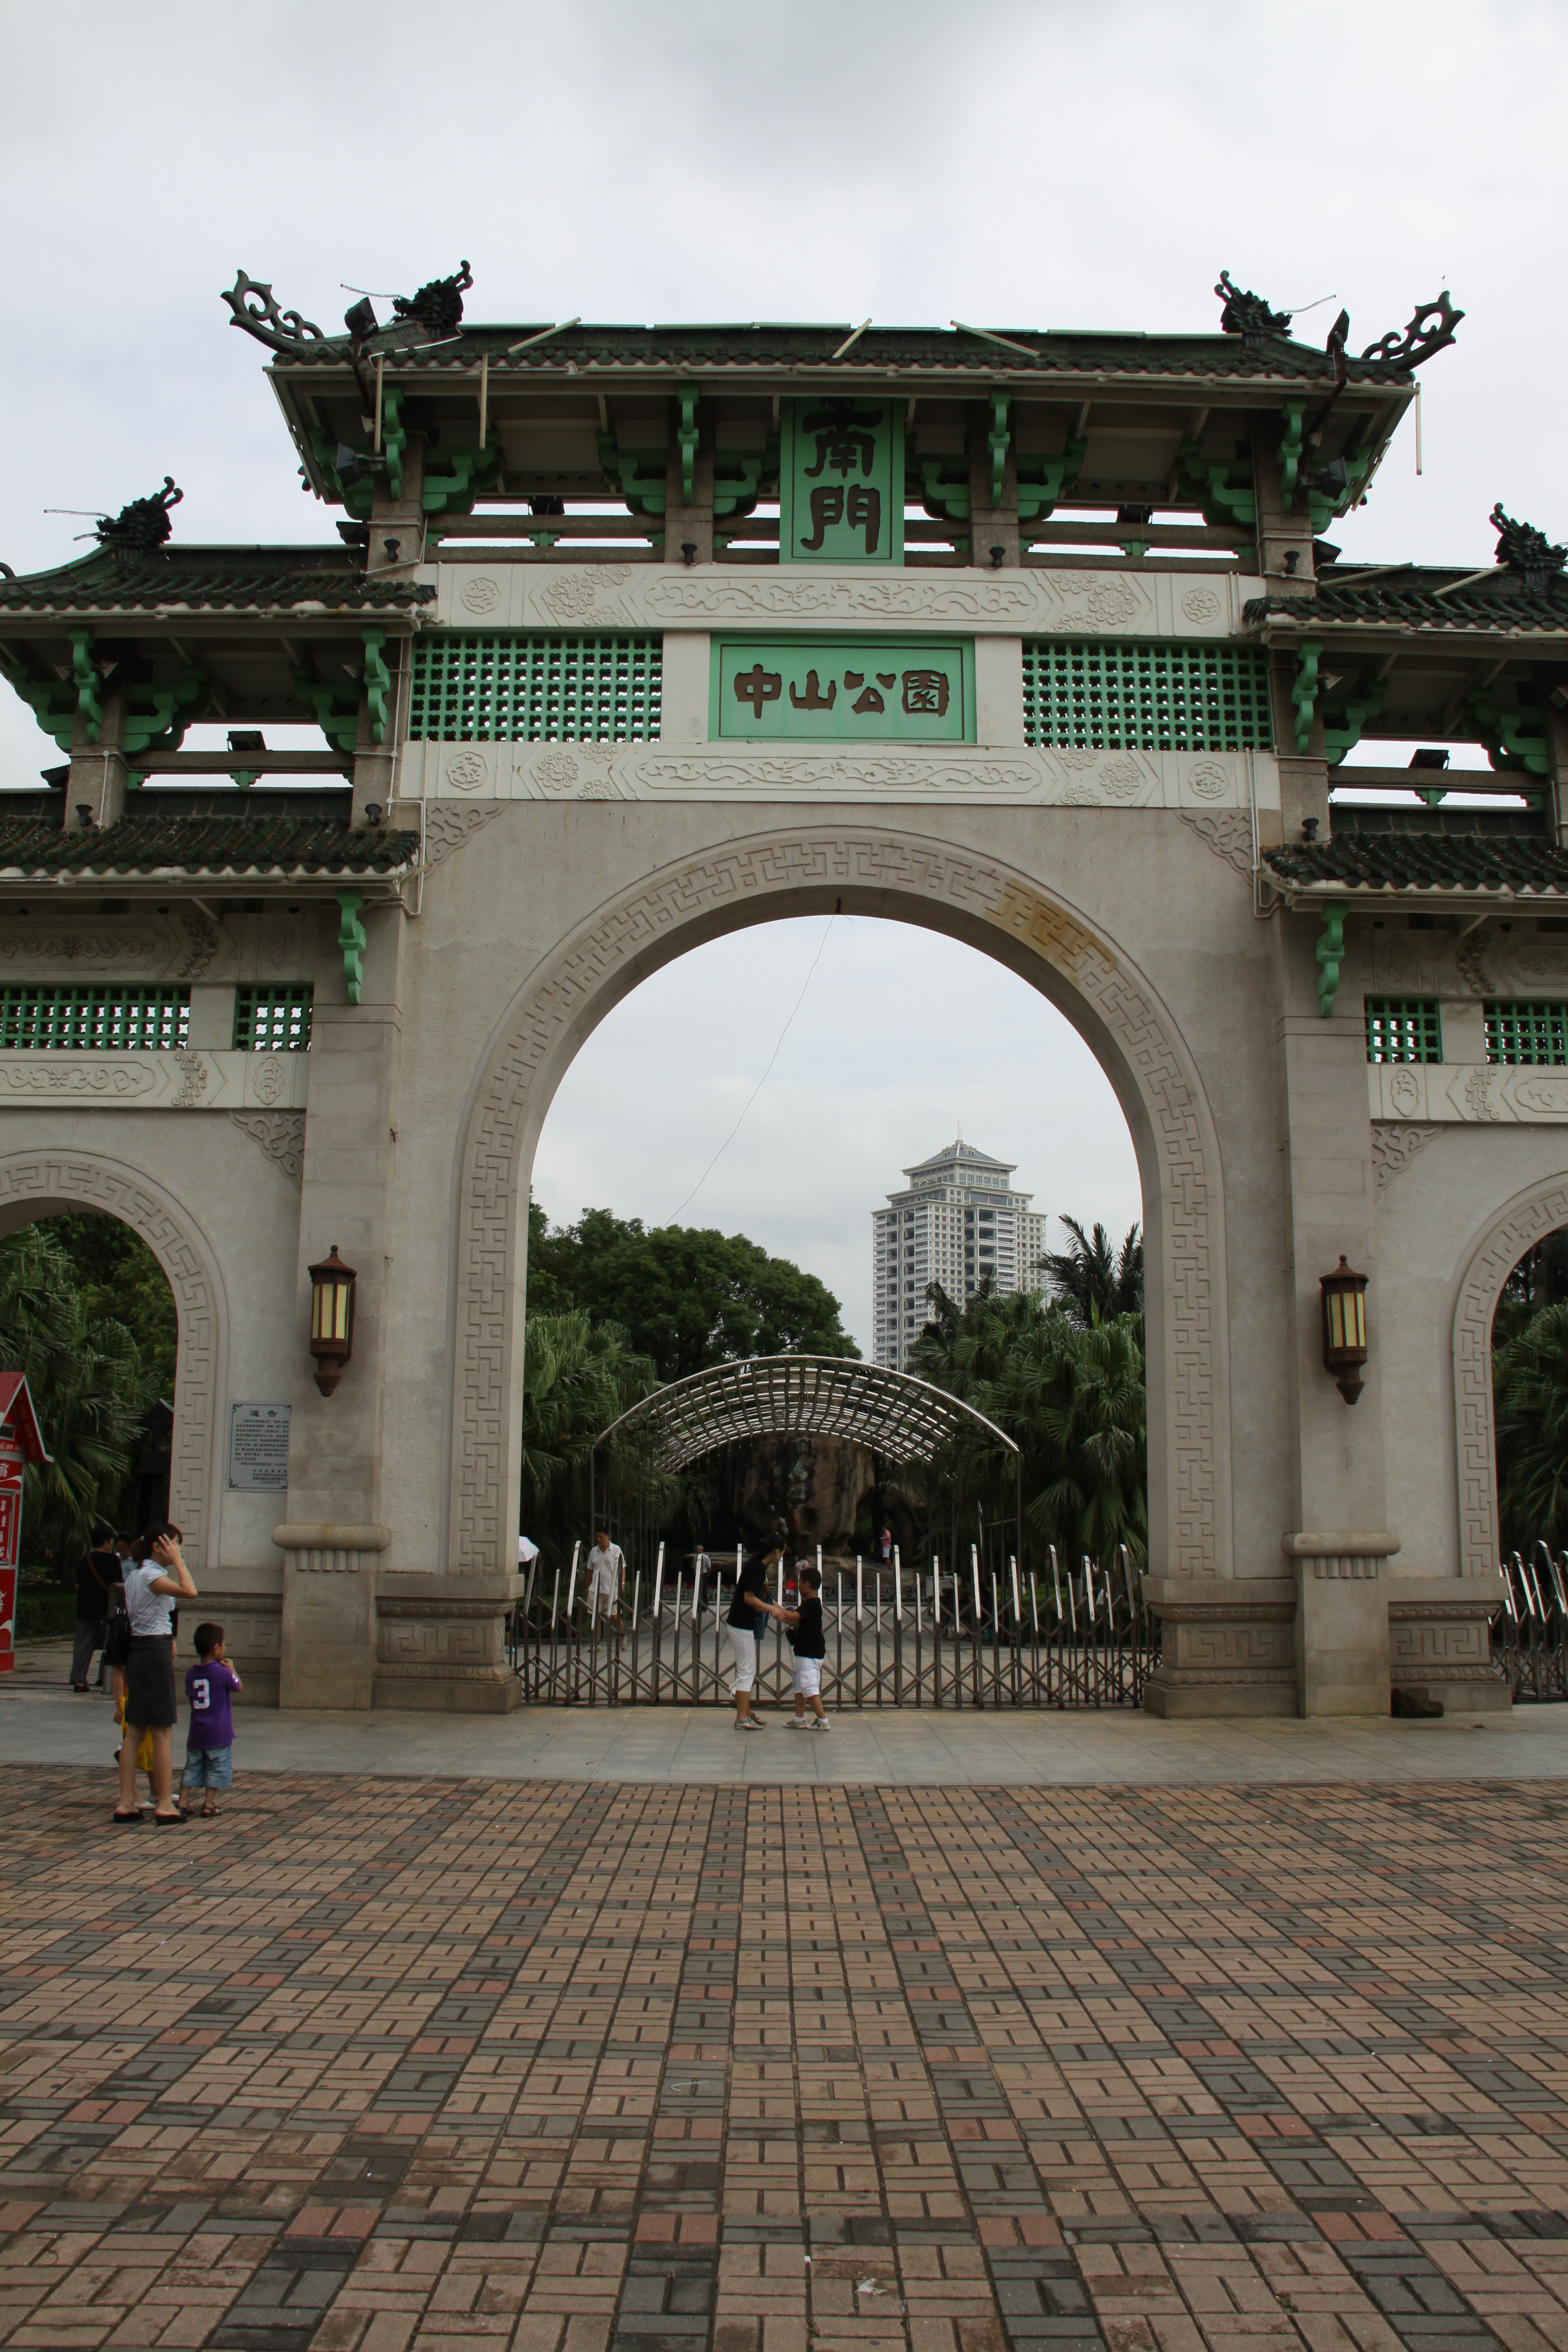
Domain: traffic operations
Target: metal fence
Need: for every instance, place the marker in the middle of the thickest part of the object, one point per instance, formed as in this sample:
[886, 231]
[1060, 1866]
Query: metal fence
[1529, 1631]
[940, 1637]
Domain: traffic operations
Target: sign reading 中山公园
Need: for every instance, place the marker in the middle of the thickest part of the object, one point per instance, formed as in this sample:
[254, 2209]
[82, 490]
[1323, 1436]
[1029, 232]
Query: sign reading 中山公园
[257, 1449]
[843, 689]
[841, 481]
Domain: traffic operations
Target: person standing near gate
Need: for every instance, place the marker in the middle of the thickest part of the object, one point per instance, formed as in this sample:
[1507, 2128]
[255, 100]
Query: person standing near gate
[701, 1572]
[748, 1611]
[99, 1570]
[149, 1586]
[607, 1574]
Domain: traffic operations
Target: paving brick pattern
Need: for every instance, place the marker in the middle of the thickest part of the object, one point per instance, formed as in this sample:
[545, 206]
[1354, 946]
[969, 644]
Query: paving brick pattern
[372, 2064]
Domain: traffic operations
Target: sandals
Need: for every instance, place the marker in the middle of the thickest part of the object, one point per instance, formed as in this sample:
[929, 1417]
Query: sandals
[167, 1820]
[125, 1820]
[209, 1812]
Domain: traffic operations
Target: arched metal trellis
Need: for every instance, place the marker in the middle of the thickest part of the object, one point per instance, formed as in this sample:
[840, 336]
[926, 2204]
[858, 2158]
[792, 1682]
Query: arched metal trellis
[970, 1633]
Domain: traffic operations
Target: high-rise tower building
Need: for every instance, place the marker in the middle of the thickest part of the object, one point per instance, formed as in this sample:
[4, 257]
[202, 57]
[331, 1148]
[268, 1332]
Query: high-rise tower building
[957, 1221]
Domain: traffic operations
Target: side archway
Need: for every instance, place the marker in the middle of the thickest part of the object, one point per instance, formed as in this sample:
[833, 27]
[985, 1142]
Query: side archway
[46, 1184]
[1525, 1219]
[863, 870]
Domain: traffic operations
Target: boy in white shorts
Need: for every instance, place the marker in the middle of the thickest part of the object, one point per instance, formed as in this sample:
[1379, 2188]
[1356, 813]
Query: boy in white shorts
[810, 1646]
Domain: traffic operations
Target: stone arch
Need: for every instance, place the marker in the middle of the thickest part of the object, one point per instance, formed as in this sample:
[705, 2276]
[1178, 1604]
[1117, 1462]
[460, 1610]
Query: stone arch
[868, 870]
[1525, 1219]
[49, 1184]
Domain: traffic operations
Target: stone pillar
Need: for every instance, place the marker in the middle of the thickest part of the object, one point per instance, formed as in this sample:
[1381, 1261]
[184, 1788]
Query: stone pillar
[1439, 1641]
[689, 522]
[1227, 1647]
[440, 1643]
[333, 1533]
[991, 526]
[1341, 1619]
[97, 778]
[1285, 559]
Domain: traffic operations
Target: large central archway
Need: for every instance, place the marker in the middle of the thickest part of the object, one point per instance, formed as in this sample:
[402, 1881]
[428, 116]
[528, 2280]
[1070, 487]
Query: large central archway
[908, 877]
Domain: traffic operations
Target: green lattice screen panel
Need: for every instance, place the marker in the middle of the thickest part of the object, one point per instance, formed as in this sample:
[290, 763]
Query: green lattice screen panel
[536, 690]
[1103, 696]
[1523, 1032]
[1403, 1029]
[272, 1020]
[93, 1020]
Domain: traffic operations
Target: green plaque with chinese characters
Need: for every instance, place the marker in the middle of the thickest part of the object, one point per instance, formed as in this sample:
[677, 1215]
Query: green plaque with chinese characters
[843, 689]
[841, 482]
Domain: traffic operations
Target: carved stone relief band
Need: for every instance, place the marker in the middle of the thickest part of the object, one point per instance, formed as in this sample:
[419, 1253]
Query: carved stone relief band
[77, 1180]
[178, 1078]
[1351, 1555]
[1527, 1219]
[281, 1137]
[1474, 1094]
[316, 1548]
[1025, 603]
[884, 872]
[449, 774]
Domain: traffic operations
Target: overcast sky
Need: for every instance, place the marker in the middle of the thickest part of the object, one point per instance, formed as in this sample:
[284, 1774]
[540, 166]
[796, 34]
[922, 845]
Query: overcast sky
[1041, 164]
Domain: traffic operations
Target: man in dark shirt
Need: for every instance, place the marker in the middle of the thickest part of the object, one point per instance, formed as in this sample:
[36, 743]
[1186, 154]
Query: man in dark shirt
[809, 1642]
[749, 1612]
[96, 1572]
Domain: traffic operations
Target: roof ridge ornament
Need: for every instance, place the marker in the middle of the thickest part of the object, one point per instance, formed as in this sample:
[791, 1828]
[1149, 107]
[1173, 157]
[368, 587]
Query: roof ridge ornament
[1419, 340]
[1526, 551]
[141, 528]
[437, 306]
[251, 301]
[1248, 315]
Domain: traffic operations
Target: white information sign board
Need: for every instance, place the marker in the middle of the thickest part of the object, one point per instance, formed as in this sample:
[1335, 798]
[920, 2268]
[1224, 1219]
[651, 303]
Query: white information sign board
[257, 1449]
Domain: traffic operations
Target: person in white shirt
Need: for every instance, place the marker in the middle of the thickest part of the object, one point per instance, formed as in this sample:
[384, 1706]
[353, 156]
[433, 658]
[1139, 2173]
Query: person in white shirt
[150, 1584]
[527, 1553]
[606, 1575]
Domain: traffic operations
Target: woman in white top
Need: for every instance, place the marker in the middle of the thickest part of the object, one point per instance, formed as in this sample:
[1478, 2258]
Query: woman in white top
[152, 1585]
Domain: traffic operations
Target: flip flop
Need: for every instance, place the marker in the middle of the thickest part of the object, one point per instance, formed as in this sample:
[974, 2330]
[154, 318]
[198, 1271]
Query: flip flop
[167, 1820]
[125, 1820]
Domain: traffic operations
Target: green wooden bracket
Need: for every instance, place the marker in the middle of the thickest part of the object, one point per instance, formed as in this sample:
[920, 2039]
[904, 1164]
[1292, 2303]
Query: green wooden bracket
[86, 683]
[1226, 491]
[1304, 688]
[1330, 955]
[357, 496]
[463, 473]
[1322, 505]
[1042, 480]
[352, 940]
[1343, 721]
[334, 709]
[156, 717]
[377, 681]
[1514, 739]
[944, 491]
[1290, 449]
[243, 777]
[394, 437]
[996, 441]
[639, 476]
[739, 480]
[686, 439]
[53, 705]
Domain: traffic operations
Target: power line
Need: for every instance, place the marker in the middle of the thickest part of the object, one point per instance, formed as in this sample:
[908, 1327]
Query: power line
[762, 1082]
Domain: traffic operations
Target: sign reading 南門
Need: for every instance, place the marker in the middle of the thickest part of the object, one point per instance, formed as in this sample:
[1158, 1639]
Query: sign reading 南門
[841, 482]
[843, 689]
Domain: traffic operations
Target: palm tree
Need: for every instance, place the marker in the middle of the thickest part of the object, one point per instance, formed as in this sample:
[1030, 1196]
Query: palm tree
[1090, 1280]
[578, 1376]
[88, 1385]
[1529, 1379]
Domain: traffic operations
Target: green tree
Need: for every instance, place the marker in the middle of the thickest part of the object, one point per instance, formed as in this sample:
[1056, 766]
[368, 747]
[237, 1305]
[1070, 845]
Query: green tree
[578, 1376]
[1073, 1398]
[88, 1387]
[1091, 1279]
[685, 1295]
[1529, 1385]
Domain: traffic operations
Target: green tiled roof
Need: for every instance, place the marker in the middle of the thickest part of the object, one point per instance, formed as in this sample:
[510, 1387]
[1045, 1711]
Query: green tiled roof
[879, 351]
[1415, 855]
[1407, 599]
[207, 846]
[215, 579]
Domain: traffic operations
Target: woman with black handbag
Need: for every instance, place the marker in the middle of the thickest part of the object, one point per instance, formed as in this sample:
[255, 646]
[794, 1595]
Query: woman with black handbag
[151, 1586]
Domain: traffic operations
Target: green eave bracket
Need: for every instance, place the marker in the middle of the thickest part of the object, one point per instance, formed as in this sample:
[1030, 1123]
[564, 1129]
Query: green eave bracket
[156, 717]
[453, 477]
[1304, 688]
[377, 681]
[334, 709]
[996, 441]
[1343, 721]
[686, 439]
[352, 940]
[1515, 738]
[1042, 480]
[86, 676]
[1330, 955]
[639, 476]
[1226, 491]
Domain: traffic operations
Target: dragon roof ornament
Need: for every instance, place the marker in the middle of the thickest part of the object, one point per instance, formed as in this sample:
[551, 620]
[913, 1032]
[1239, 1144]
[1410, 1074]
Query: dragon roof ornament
[251, 301]
[1248, 315]
[140, 529]
[1420, 337]
[437, 306]
[1525, 549]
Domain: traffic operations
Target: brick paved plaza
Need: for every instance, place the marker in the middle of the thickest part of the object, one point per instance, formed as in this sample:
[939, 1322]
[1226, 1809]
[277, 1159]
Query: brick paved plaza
[371, 2063]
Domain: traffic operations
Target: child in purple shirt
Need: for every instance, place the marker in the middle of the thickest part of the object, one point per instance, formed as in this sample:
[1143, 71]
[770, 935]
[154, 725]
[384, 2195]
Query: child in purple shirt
[209, 1736]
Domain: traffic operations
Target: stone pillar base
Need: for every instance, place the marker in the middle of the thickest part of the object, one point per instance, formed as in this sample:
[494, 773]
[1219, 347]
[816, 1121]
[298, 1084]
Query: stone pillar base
[1342, 1619]
[1227, 1646]
[1439, 1640]
[329, 1602]
[440, 1644]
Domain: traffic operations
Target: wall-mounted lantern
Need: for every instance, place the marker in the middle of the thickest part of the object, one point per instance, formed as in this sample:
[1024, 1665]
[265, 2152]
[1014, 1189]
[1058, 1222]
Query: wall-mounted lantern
[1344, 1328]
[331, 1318]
